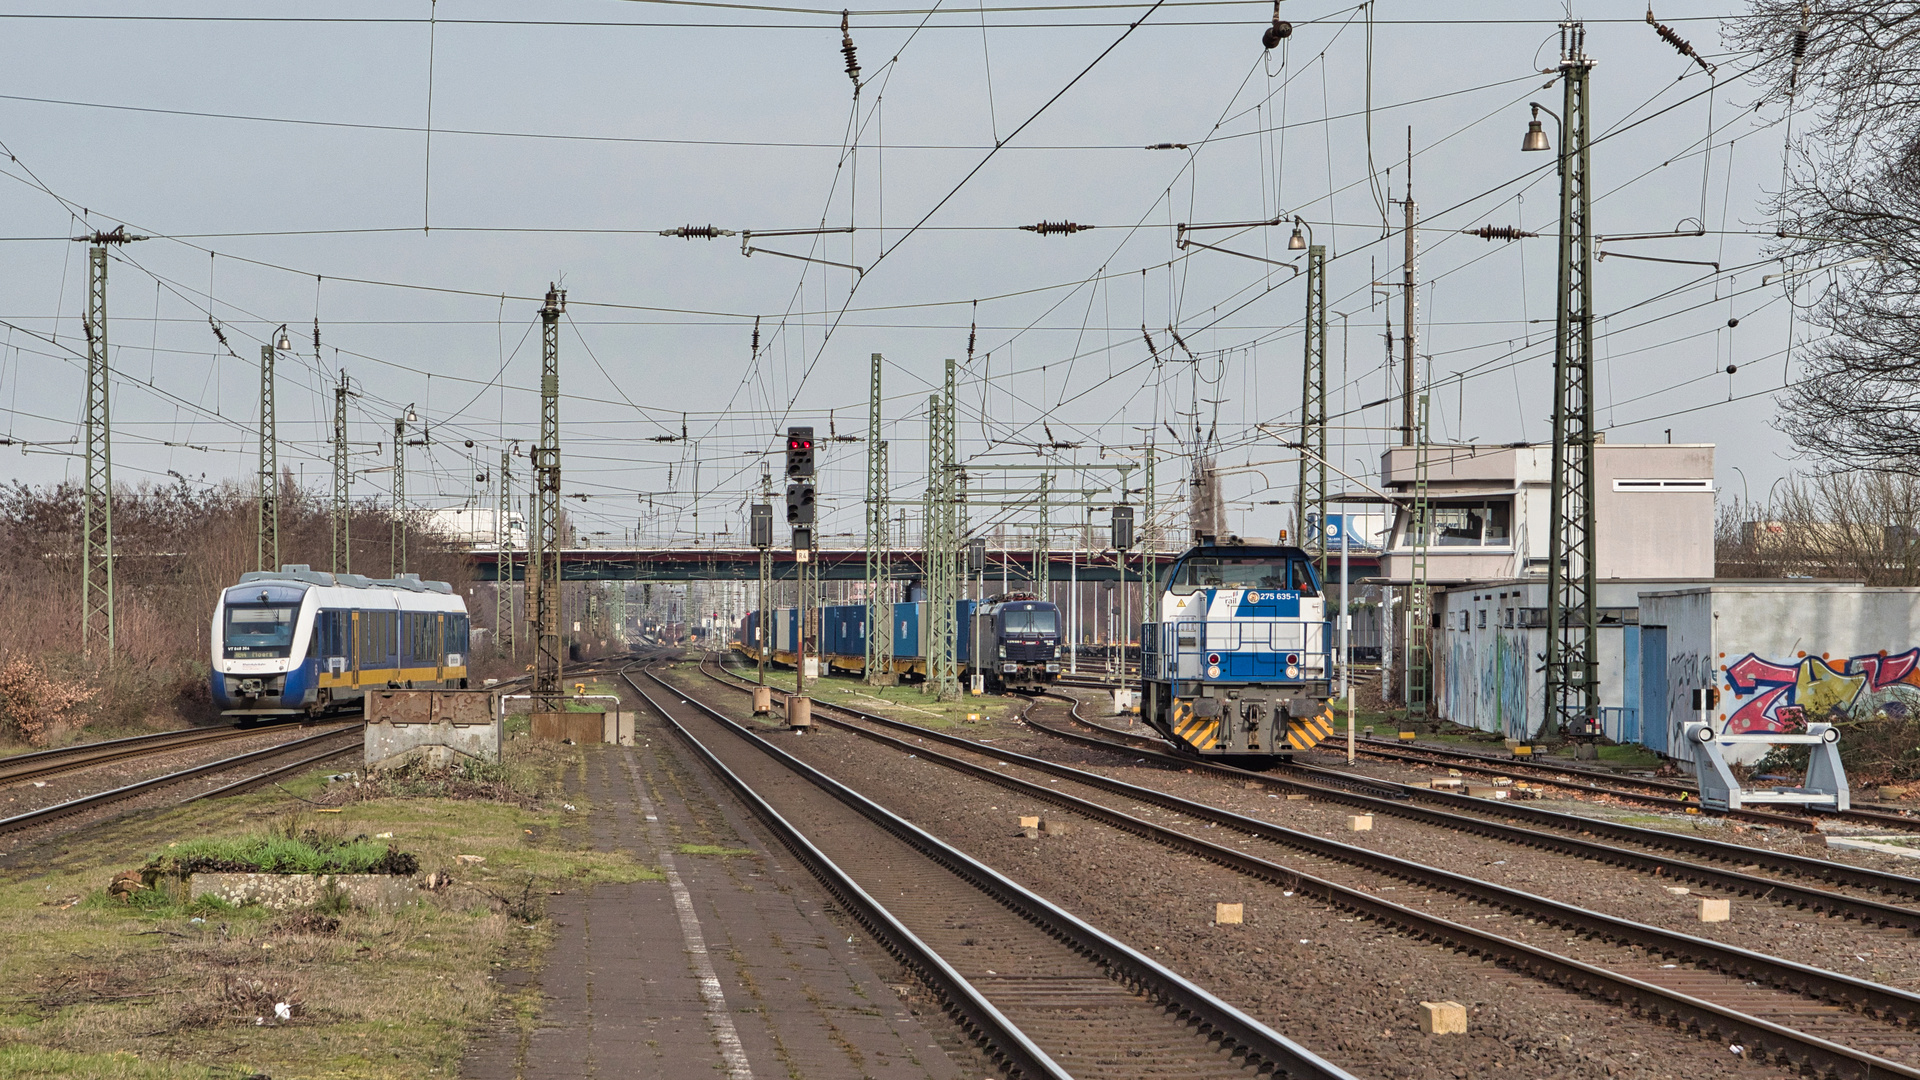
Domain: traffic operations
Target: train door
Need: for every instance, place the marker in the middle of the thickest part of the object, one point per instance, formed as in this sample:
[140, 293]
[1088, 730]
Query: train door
[438, 623]
[353, 648]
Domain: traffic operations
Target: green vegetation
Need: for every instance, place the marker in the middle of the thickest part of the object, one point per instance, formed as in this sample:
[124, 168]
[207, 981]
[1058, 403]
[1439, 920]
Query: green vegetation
[909, 702]
[288, 850]
[711, 849]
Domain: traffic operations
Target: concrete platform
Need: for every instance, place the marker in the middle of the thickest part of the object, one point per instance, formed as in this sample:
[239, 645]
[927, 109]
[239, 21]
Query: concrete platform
[731, 967]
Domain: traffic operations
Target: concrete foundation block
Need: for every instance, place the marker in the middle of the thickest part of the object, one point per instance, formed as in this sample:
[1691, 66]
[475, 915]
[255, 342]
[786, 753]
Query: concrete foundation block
[437, 727]
[1443, 1018]
[1297, 798]
[1030, 821]
[1229, 914]
[1359, 822]
[287, 892]
[1053, 827]
[1712, 910]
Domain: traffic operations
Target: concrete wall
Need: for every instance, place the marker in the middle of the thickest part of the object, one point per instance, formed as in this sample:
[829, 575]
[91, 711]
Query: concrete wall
[1653, 534]
[1490, 673]
[1784, 654]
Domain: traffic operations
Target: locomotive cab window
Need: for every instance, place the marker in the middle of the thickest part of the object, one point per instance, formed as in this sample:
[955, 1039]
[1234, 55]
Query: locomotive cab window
[258, 632]
[1244, 572]
[1033, 621]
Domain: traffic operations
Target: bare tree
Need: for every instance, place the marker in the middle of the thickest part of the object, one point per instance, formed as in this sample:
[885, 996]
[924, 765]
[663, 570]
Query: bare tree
[1837, 526]
[1849, 73]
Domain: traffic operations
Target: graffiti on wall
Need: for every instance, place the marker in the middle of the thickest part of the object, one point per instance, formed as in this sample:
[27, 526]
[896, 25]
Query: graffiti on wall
[1779, 697]
[1486, 683]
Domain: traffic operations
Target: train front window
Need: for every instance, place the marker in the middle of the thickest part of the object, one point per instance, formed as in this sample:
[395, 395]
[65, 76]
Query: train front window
[256, 632]
[1230, 573]
[1033, 621]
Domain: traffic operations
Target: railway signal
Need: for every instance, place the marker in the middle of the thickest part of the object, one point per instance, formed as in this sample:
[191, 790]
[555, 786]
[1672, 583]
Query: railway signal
[761, 523]
[799, 453]
[800, 504]
[1122, 527]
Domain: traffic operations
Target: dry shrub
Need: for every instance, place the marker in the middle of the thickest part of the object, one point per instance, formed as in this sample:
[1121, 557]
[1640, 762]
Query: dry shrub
[240, 999]
[175, 548]
[34, 705]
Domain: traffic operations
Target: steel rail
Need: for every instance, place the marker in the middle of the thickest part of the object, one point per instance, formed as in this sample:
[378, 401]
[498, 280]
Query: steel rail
[1668, 792]
[289, 769]
[64, 759]
[1008, 1044]
[1730, 959]
[46, 813]
[1567, 830]
[1215, 1019]
[1805, 1049]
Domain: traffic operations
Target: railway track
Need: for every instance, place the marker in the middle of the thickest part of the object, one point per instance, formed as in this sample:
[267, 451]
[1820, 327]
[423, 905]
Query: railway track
[40, 764]
[1651, 790]
[1647, 850]
[121, 794]
[1046, 993]
[1821, 1020]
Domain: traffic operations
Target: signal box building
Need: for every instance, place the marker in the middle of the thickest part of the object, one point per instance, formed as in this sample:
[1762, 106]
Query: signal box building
[1490, 531]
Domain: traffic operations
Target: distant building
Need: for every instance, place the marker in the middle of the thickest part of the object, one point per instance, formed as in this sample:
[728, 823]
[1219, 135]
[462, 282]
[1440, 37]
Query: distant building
[473, 527]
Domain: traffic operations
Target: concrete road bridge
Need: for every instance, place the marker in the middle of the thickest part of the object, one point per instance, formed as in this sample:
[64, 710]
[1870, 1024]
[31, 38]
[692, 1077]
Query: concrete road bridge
[835, 564]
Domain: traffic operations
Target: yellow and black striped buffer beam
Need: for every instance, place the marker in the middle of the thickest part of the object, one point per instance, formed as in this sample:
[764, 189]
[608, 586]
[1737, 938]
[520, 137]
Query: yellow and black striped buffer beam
[1306, 734]
[1199, 732]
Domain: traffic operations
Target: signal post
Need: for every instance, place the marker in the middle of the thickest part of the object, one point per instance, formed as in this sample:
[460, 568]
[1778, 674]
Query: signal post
[800, 517]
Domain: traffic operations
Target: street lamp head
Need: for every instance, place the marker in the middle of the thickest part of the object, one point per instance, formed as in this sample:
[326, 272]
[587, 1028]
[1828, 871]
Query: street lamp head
[1297, 242]
[1536, 138]
[281, 340]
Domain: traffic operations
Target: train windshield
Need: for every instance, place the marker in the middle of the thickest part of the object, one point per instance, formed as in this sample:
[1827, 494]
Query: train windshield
[1033, 621]
[259, 631]
[1242, 572]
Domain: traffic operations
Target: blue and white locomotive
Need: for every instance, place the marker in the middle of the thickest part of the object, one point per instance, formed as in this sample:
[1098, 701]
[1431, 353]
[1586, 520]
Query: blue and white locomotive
[298, 642]
[1237, 664]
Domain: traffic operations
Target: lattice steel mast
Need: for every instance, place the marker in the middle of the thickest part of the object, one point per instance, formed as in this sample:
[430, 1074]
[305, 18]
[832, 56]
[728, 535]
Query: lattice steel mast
[879, 659]
[267, 549]
[942, 591]
[1312, 492]
[1573, 699]
[503, 636]
[1419, 595]
[397, 552]
[342, 478]
[545, 582]
[96, 507]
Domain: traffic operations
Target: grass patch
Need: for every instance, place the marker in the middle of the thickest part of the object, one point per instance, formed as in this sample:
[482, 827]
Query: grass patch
[35, 1063]
[287, 849]
[712, 849]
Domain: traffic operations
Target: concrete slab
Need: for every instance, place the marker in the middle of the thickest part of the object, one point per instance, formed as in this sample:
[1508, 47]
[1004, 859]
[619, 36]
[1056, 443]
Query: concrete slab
[732, 967]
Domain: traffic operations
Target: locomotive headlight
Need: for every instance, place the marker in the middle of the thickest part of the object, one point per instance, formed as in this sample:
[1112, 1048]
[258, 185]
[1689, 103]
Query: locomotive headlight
[1293, 671]
[1213, 671]
[1003, 652]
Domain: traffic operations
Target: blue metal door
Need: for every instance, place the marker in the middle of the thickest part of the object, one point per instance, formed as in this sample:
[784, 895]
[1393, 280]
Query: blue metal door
[1653, 688]
[1628, 729]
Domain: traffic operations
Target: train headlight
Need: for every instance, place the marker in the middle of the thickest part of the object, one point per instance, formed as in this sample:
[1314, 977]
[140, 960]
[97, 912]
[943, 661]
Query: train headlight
[1213, 671]
[1293, 671]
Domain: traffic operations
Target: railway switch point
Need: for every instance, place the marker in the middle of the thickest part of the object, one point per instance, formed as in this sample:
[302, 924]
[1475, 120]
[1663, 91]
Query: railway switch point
[1229, 914]
[1443, 1018]
[1712, 910]
[1359, 822]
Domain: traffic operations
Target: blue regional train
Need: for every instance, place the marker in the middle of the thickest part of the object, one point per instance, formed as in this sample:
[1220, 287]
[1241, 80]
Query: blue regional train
[300, 642]
[1237, 664]
[1012, 641]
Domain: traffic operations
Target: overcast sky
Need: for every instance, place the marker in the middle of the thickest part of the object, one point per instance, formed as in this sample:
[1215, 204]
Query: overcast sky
[279, 156]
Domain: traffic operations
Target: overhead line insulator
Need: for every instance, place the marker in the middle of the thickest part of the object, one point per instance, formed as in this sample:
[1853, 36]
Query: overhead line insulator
[1167, 146]
[847, 50]
[1279, 31]
[1680, 44]
[697, 232]
[1500, 232]
[1052, 228]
